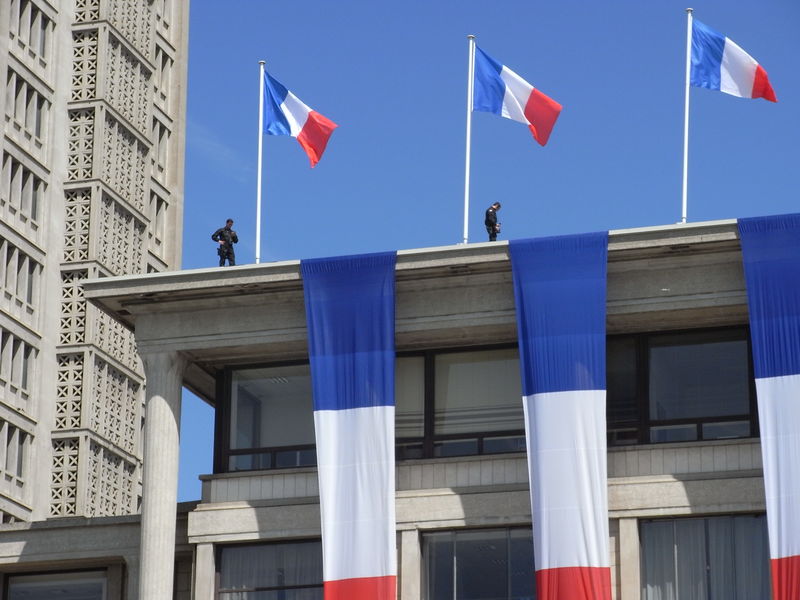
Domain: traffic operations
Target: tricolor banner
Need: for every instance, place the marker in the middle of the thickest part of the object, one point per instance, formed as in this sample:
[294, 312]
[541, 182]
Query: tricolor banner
[350, 306]
[560, 295]
[285, 114]
[501, 91]
[718, 63]
[771, 256]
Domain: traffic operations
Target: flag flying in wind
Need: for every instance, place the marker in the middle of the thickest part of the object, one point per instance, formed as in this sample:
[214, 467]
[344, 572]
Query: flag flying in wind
[285, 114]
[500, 91]
[719, 64]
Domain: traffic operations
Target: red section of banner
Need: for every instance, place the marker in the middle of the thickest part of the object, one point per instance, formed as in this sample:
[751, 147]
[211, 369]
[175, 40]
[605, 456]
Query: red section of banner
[362, 588]
[785, 578]
[574, 583]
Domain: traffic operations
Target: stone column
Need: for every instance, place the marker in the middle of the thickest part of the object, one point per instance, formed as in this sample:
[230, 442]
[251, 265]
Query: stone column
[410, 565]
[628, 559]
[204, 572]
[164, 376]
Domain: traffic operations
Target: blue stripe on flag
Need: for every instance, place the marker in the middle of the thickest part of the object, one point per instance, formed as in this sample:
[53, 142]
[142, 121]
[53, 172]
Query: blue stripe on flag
[560, 294]
[350, 304]
[771, 257]
[707, 48]
[489, 88]
[275, 122]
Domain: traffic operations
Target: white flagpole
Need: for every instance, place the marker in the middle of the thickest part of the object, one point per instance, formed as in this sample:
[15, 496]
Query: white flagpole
[260, 151]
[470, 84]
[684, 204]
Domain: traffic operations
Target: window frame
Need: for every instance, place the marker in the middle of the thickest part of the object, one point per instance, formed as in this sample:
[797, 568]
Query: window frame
[644, 423]
[454, 532]
[223, 451]
[218, 591]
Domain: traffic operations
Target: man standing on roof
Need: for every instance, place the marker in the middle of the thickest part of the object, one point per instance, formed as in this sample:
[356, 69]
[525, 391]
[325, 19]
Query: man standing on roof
[492, 226]
[226, 237]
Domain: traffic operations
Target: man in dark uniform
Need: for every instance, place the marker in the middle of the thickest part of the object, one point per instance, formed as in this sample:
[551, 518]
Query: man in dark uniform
[226, 237]
[492, 226]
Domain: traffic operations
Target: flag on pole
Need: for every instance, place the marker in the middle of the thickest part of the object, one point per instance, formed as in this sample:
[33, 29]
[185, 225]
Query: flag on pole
[501, 91]
[285, 114]
[719, 64]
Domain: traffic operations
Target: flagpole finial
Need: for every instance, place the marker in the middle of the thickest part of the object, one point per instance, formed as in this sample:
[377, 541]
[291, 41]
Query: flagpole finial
[262, 62]
[689, 10]
[470, 37]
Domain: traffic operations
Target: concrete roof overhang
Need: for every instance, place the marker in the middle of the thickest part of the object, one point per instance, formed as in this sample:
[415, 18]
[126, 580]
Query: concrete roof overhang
[236, 315]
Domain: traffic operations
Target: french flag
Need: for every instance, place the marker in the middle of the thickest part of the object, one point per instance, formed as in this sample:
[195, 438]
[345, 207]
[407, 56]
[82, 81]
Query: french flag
[285, 114]
[771, 257]
[350, 309]
[719, 64]
[560, 299]
[500, 91]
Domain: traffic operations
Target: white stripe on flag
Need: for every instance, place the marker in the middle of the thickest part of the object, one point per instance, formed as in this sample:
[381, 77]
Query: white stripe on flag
[779, 414]
[355, 451]
[565, 432]
[295, 112]
[518, 91]
[738, 71]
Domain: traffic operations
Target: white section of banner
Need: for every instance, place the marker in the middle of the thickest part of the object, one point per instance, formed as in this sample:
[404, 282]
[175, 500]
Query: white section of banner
[296, 113]
[566, 437]
[738, 71]
[518, 91]
[355, 451]
[779, 420]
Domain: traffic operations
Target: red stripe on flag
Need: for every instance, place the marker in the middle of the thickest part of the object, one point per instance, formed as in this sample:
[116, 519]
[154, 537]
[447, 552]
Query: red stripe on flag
[314, 135]
[362, 588]
[785, 578]
[761, 86]
[574, 583]
[542, 113]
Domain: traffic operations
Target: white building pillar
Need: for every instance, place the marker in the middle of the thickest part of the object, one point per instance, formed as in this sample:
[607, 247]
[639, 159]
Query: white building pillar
[204, 572]
[628, 559]
[164, 376]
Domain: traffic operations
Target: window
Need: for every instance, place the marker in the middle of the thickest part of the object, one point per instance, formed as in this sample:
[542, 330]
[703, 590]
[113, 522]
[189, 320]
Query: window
[705, 558]
[676, 387]
[65, 586]
[21, 193]
[447, 404]
[31, 28]
[285, 571]
[19, 274]
[486, 564]
[271, 418]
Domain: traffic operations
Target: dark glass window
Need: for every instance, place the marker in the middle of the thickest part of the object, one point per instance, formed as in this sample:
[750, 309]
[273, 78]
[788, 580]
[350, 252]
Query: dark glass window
[705, 558]
[271, 418]
[484, 564]
[65, 586]
[680, 387]
[447, 404]
[282, 571]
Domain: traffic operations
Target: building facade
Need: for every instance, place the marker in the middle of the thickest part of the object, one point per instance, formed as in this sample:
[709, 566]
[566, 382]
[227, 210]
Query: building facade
[685, 486]
[91, 186]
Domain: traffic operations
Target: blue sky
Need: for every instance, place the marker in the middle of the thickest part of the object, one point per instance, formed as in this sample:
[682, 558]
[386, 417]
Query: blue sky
[393, 75]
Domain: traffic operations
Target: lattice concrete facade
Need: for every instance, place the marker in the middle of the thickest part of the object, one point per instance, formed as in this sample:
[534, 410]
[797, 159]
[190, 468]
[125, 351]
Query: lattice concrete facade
[91, 179]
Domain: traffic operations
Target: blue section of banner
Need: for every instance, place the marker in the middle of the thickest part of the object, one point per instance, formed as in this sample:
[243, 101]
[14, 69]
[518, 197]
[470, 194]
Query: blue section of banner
[560, 294]
[350, 304]
[489, 88]
[707, 48]
[275, 122]
[771, 256]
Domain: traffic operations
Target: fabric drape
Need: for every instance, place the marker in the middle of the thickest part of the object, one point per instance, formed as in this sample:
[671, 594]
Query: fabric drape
[560, 295]
[350, 308]
[771, 256]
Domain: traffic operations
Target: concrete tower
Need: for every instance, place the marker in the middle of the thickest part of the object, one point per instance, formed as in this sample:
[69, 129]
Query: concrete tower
[91, 186]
